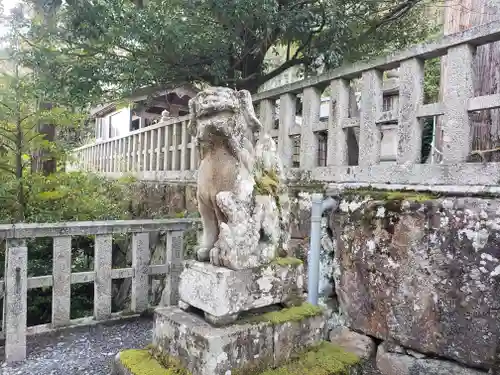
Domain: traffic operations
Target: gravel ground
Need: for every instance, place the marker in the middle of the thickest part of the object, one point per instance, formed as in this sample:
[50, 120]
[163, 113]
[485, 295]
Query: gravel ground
[81, 351]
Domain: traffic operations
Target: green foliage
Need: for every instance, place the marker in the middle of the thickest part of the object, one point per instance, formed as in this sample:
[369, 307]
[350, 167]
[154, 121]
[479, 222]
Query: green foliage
[66, 197]
[108, 48]
[432, 78]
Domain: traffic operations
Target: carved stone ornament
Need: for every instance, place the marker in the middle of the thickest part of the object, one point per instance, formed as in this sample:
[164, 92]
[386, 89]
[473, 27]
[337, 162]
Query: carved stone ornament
[242, 198]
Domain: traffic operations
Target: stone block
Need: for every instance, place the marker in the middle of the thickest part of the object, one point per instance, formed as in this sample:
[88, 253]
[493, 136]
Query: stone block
[222, 293]
[421, 272]
[265, 340]
[363, 346]
[322, 358]
[400, 364]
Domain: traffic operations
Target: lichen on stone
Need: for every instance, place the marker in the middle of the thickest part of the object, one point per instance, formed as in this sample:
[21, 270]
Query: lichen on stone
[292, 314]
[144, 362]
[287, 261]
[322, 359]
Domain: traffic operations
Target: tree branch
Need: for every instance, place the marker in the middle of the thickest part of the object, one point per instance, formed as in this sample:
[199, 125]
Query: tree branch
[393, 15]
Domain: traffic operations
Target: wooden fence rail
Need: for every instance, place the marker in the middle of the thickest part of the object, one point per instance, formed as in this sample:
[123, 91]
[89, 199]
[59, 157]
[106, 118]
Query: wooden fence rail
[16, 281]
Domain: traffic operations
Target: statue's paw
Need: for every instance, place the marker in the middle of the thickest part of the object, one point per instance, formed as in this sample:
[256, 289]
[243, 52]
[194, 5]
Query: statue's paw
[203, 254]
[215, 256]
[223, 258]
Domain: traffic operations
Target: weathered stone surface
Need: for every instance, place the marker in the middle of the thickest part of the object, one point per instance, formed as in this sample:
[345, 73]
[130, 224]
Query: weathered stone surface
[363, 346]
[222, 292]
[242, 195]
[422, 274]
[300, 218]
[207, 350]
[400, 364]
[155, 199]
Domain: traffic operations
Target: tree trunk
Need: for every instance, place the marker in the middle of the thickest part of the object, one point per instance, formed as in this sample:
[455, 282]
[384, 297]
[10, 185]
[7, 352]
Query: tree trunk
[41, 161]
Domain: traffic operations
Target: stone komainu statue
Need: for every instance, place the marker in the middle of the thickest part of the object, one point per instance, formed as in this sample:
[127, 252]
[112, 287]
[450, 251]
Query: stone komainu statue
[242, 197]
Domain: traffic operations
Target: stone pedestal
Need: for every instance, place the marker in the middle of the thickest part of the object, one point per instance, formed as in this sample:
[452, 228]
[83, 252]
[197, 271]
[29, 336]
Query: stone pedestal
[222, 294]
[231, 320]
[262, 342]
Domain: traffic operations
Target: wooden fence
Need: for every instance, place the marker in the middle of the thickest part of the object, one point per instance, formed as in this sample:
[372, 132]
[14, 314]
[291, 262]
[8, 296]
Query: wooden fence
[16, 281]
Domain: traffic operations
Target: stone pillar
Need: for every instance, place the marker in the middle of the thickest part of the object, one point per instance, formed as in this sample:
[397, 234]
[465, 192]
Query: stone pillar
[61, 274]
[102, 282]
[411, 96]
[15, 303]
[174, 258]
[339, 110]
[140, 265]
[267, 109]
[310, 118]
[459, 89]
[371, 108]
[288, 108]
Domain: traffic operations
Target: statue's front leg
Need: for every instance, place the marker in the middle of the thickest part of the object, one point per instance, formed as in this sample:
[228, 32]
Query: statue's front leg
[210, 231]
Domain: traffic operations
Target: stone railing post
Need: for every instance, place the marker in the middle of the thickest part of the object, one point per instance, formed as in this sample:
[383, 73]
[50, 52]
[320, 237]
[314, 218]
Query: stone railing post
[135, 153]
[183, 146]
[102, 284]
[411, 96]
[150, 136]
[61, 288]
[140, 266]
[174, 258]
[339, 110]
[143, 145]
[175, 147]
[158, 151]
[15, 306]
[267, 109]
[310, 118]
[459, 89]
[166, 149]
[288, 108]
[371, 108]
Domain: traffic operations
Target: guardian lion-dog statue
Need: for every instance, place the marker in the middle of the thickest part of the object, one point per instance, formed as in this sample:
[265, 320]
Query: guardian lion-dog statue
[242, 198]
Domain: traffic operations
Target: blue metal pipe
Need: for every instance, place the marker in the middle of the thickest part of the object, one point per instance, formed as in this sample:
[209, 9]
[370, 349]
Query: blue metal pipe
[318, 207]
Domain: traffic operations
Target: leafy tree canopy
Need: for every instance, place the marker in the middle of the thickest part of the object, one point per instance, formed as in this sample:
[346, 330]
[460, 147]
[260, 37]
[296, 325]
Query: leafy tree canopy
[108, 48]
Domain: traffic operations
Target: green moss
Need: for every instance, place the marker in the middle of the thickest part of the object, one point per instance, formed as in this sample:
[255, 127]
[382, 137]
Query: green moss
[392, 195]
[267, 184]
[287, 261]
[142, 362]
[292, 314]
[323, 359]
[307, 187]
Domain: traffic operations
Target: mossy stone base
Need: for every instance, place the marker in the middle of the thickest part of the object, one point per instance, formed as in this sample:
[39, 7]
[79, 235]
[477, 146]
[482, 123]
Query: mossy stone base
[222, 294]
[141, 362]
[323, 358]
[203, 349]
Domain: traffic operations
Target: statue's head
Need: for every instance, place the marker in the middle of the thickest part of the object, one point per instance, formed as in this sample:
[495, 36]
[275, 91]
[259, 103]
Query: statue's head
[223, 112]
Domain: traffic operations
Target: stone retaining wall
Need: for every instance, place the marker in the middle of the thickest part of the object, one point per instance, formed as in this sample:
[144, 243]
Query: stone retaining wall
[420, 273]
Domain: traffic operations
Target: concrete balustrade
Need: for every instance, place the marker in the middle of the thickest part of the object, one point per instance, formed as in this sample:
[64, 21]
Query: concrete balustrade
[389, 140]
[16, 282]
